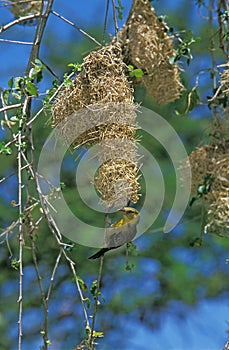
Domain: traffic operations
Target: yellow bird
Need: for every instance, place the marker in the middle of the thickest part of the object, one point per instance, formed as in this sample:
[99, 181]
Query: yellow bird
[121, 232]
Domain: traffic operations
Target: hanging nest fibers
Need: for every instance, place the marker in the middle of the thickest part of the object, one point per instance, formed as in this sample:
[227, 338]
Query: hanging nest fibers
[100, 104]
[102, 81]
[147, 46]
[225, 78]
[213, 160]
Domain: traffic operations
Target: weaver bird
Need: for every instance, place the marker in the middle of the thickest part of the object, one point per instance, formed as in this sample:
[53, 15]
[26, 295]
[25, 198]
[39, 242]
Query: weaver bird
[121, 232]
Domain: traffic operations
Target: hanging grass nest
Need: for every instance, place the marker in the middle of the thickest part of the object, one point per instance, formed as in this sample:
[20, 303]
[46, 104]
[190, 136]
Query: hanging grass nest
[225, 78]
[22, 8]
[147, 46]
[213, 160]
[100, 103]
[102, 81]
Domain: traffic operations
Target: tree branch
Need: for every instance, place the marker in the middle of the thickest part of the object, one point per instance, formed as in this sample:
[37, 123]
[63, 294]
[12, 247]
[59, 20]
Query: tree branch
[18, 21]
[76, 27]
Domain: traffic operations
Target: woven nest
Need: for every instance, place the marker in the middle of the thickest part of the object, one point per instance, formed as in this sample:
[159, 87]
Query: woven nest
[25, 8]
[94, 123]
[147, 46]
[213, 159]
[218, 216]
[116, 180]
[225, 78]
[102, 81]
[100, 103]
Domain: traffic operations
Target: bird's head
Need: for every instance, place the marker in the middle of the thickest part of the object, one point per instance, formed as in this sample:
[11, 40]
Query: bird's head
[130, 212]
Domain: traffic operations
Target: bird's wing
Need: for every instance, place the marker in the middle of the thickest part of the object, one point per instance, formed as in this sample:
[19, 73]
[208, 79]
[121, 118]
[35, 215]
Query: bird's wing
[117, 236]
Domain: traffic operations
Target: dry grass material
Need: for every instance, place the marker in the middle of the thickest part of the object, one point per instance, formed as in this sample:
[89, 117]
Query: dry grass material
[100, 105]
[21, 8]
[218, 217]
[102, 81]
[225, 78]
[147, 46]
[117, 180]
[213, 159]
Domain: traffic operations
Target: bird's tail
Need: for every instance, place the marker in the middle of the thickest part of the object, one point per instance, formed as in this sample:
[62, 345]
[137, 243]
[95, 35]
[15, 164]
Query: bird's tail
[99, 253]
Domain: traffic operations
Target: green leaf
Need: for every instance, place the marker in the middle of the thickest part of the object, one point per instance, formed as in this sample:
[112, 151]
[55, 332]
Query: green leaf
[77, 67]
[87, 302]
[15, 264]
[82, 284]
[16, 95]
[49, 94]
[39, 63]
[10, 82]
[135, 72]
[5, 149]
[94, 290]
[98, 334]
[36, 72]
[132, 249]
[32, 89]
[226, 35]
[67, 80]
[138, 73]
[120, 9]
[225, 16]
[131, 68]
[19, 83]
[6, 94]
[14, 118]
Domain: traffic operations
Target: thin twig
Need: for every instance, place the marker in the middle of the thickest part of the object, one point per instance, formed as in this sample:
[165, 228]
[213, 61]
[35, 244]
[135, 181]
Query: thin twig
[15, 139]
[28, 165]
[212, 54]
[76, 27]
[9, 228]
[51, 71]
[7, 177]
[8, 246]
[8, 108]
[20, 230]
[72, 265]
[6, 115]
[34, 54]
[16, 42]
[18, 21]
[53, 275]
[91, 343]
[115, 17]
[43, 298]
[39, 34]
[56, 233]
[105, 21]
[215, 95]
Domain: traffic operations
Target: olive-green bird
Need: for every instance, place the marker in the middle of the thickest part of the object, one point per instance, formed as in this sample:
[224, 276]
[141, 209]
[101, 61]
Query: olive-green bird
[121, 232]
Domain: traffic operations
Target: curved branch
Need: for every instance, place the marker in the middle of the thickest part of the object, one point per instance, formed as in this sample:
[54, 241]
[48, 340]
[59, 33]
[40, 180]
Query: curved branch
[18, 21]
